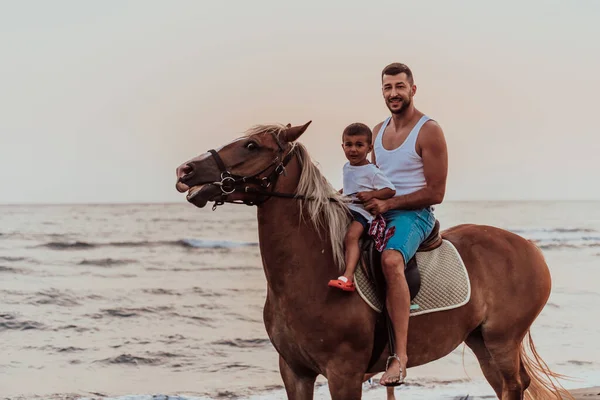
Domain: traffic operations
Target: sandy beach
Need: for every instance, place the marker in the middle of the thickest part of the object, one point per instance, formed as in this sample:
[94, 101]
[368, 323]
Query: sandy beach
[579, 394]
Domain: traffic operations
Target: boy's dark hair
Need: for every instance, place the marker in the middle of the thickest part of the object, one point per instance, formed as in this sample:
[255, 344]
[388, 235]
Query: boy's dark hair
[396, 69]
[358, 129]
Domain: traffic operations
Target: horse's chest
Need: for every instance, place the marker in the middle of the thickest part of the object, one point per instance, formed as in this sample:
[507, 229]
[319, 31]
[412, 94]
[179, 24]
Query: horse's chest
[292, 338]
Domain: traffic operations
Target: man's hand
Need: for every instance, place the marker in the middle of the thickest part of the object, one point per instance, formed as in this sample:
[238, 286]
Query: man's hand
[364, 196]
[376, 206]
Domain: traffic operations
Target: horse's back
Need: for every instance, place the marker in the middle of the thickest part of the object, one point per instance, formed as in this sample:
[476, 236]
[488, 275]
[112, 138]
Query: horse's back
[507, 272]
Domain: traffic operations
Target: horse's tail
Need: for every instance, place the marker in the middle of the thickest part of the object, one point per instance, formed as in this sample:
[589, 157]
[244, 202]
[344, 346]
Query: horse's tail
[544, 383]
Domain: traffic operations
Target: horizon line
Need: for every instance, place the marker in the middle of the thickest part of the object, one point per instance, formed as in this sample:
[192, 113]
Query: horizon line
[112, 203]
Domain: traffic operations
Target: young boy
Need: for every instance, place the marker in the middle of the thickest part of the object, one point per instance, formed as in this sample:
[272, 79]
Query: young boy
[362, 182]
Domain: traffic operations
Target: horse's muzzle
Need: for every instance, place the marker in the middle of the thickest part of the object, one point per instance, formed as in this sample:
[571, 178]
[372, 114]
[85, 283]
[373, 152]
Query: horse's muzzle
[181, 187]
[202, 194]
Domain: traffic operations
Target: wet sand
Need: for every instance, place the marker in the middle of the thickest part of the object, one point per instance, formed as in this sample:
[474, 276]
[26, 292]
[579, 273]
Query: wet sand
[579, 394]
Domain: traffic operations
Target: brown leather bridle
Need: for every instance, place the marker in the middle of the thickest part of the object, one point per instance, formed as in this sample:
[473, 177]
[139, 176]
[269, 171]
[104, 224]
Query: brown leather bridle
[231, 183]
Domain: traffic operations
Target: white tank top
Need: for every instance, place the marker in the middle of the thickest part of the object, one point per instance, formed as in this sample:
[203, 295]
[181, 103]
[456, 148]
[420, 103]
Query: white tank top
[402, 165]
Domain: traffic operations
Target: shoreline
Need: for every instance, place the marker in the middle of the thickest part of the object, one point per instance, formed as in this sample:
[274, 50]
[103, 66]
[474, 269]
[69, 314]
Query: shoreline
[589, 393]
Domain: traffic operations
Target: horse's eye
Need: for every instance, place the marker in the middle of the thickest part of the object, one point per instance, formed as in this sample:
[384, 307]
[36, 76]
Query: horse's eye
[252, 146]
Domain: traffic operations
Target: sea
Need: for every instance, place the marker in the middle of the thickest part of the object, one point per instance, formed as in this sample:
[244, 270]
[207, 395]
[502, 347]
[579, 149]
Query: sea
[164, 301]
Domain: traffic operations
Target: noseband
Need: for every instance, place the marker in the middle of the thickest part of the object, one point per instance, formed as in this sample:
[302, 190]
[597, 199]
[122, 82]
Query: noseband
[231, 183]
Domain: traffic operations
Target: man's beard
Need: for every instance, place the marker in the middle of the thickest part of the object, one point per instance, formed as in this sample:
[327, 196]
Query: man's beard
[403, 107]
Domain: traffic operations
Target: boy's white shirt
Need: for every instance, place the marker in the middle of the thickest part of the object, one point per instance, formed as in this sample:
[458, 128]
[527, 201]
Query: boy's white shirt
[364, 178]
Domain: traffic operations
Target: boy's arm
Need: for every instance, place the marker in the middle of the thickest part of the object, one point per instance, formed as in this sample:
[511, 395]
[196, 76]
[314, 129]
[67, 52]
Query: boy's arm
[385, 193]
[379, 180]
[382, 194]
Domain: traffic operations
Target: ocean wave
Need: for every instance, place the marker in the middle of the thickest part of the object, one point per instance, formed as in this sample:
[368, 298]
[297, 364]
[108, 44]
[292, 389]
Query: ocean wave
[54, 297]
[170, 339]
[76, 328]
[556, 230]
[205, 293]
[12, 259]
[215, 244]
[243, 343]
[567, 244]
[561, 238]
[56, 349]
[160, 291]
[545, 238]
[68, 245]
[11, 322]
[578, 363]
[123, 312]
[106, 262]
[196, 318]
[218, 367]
[128, 359]
[11, 270]
[185, 243]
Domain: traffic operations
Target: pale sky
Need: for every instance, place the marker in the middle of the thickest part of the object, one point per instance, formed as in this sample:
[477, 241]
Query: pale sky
[101, 100]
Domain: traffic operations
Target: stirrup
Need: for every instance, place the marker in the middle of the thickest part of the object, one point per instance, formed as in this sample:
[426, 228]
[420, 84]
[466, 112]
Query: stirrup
[400, 380]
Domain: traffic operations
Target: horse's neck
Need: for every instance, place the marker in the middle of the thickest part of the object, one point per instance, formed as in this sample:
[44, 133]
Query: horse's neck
[298, 262]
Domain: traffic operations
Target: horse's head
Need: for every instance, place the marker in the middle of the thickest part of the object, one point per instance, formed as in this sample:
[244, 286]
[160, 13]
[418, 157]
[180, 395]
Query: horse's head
[240, 170]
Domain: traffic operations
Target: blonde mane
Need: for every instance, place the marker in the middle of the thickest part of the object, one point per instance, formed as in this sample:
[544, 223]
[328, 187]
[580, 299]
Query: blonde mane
[324, 213]
[320, 209]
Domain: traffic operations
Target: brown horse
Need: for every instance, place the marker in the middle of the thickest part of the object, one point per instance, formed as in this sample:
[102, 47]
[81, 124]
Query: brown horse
[316, 330]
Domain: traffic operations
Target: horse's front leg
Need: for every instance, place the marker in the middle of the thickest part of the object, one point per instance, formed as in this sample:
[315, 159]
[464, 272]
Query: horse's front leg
[389, 390]
[299, 385]
[344, 385]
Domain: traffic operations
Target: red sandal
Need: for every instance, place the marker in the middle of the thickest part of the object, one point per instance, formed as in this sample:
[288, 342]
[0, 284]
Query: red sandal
[342, 283]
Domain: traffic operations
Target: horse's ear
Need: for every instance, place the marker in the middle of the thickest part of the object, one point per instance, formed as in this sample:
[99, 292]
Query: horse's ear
[288, 126]
[294, 132]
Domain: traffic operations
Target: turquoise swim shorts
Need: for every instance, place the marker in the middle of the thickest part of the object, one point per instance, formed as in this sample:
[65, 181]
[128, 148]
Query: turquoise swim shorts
[412, 228]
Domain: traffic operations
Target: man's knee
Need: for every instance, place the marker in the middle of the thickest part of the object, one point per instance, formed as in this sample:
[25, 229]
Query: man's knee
[392, 263]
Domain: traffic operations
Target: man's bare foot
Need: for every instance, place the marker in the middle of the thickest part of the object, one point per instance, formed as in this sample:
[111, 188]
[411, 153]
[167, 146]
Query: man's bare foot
[395, 373]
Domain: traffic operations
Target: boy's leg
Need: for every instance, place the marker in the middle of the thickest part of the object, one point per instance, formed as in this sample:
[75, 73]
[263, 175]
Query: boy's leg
[352, 253]
[353, 235]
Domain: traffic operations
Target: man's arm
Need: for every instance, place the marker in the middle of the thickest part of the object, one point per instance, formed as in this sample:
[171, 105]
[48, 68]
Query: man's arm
[434, 153]
[375, 133]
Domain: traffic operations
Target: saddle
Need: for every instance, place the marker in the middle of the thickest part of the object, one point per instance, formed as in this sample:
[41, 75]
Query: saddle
[372, 262]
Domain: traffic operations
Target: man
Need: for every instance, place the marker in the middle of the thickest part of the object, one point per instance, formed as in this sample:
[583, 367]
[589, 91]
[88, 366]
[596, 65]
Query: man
[410, 149]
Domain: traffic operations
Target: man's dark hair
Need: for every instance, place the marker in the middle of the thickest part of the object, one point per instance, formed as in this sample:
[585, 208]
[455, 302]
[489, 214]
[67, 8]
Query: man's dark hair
[358, 129]
[398, 68]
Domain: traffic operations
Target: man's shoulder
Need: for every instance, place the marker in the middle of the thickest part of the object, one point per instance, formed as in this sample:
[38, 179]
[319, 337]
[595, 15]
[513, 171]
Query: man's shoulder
[377, 128]
[431, 136]
[431, 124]
[431, 129]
